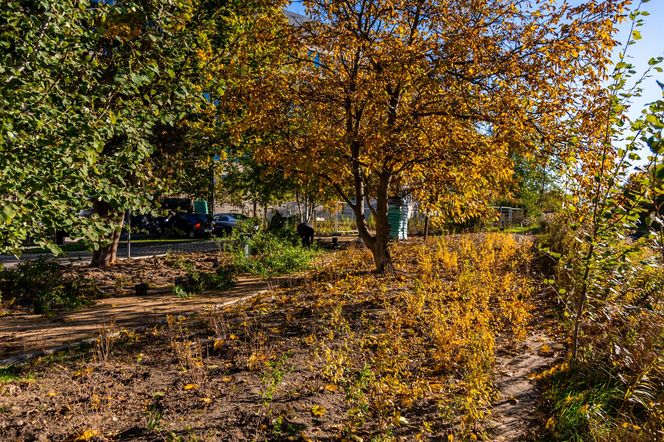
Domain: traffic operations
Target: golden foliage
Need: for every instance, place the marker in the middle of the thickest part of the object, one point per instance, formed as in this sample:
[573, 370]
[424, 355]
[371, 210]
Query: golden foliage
[427, 335]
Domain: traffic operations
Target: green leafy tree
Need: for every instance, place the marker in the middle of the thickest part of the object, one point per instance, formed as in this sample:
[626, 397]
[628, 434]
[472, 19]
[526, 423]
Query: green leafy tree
[91, 96]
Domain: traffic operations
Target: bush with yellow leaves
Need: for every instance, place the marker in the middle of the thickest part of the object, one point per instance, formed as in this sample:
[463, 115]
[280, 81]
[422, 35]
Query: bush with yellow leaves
[425, 336]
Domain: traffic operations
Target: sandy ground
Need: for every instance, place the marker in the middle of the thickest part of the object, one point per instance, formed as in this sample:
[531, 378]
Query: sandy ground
[24, 334]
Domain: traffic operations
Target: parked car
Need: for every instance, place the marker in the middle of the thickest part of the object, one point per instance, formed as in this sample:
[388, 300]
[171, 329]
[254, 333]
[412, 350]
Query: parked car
[191, 225]
[153, 226]
[224, 223]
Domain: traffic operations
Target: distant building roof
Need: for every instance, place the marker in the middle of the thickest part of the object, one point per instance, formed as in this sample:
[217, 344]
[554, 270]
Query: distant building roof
[295, 19]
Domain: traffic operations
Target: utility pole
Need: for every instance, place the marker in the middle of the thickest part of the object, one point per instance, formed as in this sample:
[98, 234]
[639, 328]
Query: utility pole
[128, 233]
[211, 189]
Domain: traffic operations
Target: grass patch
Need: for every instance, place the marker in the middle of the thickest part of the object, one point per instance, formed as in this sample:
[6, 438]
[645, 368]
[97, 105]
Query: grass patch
[12, 373]
[581, 409]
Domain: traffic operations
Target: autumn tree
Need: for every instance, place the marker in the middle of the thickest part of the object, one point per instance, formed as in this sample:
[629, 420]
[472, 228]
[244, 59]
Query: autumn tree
[382, 97]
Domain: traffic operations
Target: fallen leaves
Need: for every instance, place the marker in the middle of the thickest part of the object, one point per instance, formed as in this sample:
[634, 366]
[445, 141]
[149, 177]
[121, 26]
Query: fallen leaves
[318, 410]
[87, 435]
[545, 350]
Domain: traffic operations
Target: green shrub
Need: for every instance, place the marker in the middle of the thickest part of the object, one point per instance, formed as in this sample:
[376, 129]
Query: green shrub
[270, 254]
[196, 282]
[45, 286]
[222, 279]
[181, 291]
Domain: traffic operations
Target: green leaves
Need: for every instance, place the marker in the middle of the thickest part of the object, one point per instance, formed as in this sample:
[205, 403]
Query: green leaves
[76, 119]
[655, 121]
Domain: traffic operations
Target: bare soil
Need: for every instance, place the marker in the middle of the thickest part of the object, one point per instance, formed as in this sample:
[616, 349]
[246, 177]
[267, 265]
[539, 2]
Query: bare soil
[24, 334]
[239, 367]
[519, 412]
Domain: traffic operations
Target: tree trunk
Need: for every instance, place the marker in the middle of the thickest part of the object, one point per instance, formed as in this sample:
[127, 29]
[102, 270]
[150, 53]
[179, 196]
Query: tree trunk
[299, 207]
[211, 200]
[106, 255]
[426, 227]
[379, 244]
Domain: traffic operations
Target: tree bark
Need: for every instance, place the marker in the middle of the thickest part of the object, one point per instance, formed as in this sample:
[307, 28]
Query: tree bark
[378, 244]
[106, 255]
[382, 256]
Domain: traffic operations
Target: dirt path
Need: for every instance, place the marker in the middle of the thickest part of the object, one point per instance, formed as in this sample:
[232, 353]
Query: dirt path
[516, 413]
[24, 335]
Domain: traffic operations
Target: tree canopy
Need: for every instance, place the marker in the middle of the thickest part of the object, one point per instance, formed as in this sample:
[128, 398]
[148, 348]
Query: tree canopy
[431, 98]
[94, 98]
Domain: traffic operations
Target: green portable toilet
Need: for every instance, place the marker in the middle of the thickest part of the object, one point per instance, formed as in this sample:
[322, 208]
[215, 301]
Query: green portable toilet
[397, 216]
[201, 207]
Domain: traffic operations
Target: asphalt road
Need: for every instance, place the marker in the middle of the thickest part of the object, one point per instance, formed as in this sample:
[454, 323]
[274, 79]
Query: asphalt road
[137, 251]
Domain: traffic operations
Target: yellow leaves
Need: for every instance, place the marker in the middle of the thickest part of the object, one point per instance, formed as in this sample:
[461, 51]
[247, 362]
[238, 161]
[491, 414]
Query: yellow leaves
[51, 393]
[332, 388]
[318, 410]
[256, 360]
[550, 423]
[545, 350]
[83, 373]
[630, 426]
[549, 372]
[87, 435]
[188, 387]
[218, 344]
[400, 420]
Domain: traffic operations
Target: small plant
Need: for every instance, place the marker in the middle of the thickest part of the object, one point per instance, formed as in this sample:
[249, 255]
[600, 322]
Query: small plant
[188, 353]
[10, 374]
[196, 282]
[272, 377]
[104, 345]
[155, 412]
[181, 262]
[181, 291]
[218, 324]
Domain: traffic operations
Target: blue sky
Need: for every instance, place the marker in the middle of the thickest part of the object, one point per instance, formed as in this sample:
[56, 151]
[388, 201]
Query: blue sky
[651, 45]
